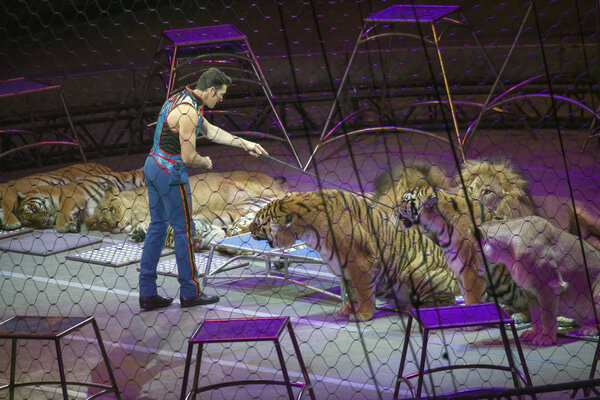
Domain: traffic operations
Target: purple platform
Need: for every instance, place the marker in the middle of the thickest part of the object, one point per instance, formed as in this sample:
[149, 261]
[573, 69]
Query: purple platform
[13, 87]
[40, 327]
[409, 13]
[204, 35]
[244, 330]
[239, 329]
[462, 316]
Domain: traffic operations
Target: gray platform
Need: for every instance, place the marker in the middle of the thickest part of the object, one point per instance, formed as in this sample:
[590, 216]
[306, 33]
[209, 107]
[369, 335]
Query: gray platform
[45, 243]
[115, 255]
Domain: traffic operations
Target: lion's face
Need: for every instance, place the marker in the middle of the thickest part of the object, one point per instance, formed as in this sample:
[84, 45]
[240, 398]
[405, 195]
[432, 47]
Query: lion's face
[499, 186]
[111, 214]
[487, 189]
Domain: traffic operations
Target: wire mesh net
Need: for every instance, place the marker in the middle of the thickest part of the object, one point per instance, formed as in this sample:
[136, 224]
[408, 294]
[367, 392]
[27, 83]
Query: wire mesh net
[475, 122]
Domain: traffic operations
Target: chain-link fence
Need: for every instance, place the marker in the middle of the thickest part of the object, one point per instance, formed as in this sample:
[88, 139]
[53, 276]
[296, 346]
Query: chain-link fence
[474, 121]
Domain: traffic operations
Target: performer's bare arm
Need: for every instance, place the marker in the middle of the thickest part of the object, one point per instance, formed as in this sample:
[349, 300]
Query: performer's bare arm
[221, 136]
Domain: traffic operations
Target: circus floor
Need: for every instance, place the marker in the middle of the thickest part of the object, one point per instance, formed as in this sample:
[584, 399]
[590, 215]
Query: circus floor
[345, 360]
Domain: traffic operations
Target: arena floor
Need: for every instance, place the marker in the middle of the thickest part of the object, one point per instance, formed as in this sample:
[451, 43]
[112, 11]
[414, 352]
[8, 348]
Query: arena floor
[345, 360]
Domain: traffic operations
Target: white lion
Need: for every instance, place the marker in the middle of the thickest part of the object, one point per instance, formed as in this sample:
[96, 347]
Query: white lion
[547, 263]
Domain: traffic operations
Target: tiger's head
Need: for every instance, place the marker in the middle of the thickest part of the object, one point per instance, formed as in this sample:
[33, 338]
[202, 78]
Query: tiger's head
[37, 210]
[274, 223]
[413, 203]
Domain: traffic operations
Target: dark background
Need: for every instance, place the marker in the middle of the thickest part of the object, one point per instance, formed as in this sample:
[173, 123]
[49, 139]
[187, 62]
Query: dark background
[101, 53]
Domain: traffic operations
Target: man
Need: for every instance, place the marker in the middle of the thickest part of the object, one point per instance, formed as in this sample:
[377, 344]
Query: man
[179, 123]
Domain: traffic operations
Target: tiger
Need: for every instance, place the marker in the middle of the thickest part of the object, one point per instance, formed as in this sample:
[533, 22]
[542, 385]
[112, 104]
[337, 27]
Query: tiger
[67, 205]
[447, 215]
[210, 227]
[219, 200]
[9, 191]
[361, 246]
[548, 264]
[391, 184]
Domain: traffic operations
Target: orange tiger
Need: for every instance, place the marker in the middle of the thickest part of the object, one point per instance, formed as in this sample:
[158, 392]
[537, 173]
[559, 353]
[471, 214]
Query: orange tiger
[9, 190]
[67, 205]
[361, 245]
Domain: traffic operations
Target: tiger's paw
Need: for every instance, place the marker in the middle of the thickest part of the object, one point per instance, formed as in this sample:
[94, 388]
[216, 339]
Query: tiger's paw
[345, 311]
[529, 335]
[538, 338]
[544, 340]
[11, 226]
[588, 330]
[138, 235]
[521, 318]
[361, 317]
[564, 322]
[69, 227]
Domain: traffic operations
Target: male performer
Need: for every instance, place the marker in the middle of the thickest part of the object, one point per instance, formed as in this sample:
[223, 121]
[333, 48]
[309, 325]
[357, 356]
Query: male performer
[179, 123]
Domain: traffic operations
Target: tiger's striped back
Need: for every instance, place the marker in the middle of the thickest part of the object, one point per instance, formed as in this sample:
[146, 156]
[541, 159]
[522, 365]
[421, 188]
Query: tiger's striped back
[359, 242]
[9, 190]
[67, 205]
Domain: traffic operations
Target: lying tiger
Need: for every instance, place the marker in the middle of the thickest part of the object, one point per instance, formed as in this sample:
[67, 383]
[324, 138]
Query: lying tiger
[220, 200]
[9, 191]
[360, 245]
[547, 263]
[67, 205]
[448, 217]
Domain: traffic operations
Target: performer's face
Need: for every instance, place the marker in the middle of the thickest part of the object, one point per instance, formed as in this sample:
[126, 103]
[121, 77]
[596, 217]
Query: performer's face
[216, 96]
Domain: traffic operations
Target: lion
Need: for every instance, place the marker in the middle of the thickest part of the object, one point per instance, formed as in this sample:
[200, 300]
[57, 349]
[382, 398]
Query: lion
[548, 265]
[502, 187]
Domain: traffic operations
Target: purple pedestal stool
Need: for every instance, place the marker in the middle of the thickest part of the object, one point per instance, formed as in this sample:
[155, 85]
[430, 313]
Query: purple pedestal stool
[243, 330]
[452, 317]
[54, 329]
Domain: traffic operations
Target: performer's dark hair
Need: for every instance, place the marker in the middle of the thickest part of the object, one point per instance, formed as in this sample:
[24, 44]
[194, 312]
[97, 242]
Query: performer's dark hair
[212, 77]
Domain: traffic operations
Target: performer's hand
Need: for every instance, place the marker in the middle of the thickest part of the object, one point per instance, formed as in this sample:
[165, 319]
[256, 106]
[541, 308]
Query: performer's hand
[255, 149]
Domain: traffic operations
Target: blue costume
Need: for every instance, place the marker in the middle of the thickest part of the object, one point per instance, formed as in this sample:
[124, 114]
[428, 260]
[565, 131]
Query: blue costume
[170, 202]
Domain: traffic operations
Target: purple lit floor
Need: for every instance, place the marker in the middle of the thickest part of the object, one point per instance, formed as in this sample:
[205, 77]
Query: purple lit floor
[345, 360]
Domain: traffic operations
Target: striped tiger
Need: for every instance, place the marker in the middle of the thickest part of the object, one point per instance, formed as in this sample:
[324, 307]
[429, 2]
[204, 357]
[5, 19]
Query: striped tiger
[446, 215]
[9, 190]
[67, 205]
[211, 227]
[362, 246]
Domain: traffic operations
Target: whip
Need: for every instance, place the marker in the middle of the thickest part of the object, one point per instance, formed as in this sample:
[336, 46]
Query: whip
[268, 157]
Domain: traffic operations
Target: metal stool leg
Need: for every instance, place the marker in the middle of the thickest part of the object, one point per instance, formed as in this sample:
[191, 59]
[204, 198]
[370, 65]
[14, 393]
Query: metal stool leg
[197, 372]
[286, 377]
[400, 376]
[13, 364]
[422, 364]
[186, 370]
[61, 369]
[111, 375]
[509, 356]
[301, 361]
[526, 376]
